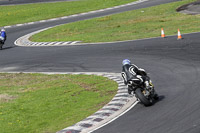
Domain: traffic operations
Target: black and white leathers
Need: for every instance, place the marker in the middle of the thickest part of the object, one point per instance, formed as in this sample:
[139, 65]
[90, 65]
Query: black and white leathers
[130, 72]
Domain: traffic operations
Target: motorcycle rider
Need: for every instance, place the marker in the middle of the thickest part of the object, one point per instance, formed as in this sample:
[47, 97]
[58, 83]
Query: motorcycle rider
[2, 37]
[131, 71]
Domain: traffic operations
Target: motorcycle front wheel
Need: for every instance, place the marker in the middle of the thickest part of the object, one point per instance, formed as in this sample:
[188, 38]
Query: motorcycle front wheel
[139, 94]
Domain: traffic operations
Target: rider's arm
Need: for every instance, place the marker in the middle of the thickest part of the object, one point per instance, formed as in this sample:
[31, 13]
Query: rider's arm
[124, 77]
[140, 71]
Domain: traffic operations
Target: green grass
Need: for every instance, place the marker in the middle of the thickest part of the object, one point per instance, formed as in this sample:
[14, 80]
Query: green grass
[138, 24]
[33, 103]
[16, 14]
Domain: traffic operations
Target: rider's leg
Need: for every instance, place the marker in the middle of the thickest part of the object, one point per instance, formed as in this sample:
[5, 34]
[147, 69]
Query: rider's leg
[148, 84]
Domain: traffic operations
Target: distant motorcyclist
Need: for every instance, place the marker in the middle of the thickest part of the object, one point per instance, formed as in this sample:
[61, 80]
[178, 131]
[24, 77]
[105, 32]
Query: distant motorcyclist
[131, 71]
[3, 37]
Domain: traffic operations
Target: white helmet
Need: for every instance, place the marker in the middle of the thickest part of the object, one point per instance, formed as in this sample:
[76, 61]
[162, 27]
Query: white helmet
[3, 30]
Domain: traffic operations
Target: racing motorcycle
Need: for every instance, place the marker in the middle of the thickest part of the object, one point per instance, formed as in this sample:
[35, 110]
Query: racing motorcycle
[1, 43]
[146, 95]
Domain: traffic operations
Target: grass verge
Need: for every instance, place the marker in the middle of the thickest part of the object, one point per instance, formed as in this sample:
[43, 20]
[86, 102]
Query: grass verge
[16, 14]
[34, 103]
[138, 24]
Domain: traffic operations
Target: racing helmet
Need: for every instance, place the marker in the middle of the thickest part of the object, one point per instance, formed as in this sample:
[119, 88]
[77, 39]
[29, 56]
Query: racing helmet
[126, 61]
[2, 30]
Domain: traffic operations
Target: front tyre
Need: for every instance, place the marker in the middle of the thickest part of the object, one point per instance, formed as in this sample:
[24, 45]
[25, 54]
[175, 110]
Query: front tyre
[142, 98]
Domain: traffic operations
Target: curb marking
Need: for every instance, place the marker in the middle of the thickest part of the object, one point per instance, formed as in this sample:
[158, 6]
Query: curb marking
[119, 105]
[24, 40]
[105, 114]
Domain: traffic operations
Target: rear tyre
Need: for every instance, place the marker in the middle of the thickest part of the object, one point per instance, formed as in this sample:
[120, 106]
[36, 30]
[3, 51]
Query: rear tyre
[142, 98]
[1, 45]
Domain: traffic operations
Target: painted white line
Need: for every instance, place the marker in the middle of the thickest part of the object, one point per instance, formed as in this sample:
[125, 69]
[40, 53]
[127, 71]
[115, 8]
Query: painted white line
[119, 98]
[75, 15]
[114, 118]
[71, 128]
[7, 26]
[71, 43]
[92, 117]
[64, 17]
[53, 19]
[105, 111]
[30, 23]
[19, 24]
[122, 91]
[121, 94]
[112, 106]
[43, 21]
[117, 102]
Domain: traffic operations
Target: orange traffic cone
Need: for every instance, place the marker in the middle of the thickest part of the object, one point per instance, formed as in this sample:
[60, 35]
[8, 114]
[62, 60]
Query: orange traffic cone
[162, 33]
[179, 35]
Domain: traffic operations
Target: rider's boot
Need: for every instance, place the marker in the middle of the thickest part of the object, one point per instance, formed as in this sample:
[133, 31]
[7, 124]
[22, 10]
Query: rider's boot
[150, 86]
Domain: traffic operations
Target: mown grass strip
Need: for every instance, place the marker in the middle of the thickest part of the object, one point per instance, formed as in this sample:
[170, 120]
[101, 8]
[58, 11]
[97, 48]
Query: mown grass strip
[17, 14]
[138, 24]
[38, 103]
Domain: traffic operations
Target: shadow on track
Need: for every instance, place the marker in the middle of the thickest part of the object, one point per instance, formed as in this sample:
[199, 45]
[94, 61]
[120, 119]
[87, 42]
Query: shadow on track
[5, 48]
[161, 98]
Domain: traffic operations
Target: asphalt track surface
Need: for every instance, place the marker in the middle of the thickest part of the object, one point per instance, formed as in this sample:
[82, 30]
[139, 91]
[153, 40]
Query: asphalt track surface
[174, 67]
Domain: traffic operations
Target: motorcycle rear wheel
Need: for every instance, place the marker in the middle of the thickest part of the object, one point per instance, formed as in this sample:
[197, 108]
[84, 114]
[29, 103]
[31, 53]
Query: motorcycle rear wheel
[142, 98]
[1, 45]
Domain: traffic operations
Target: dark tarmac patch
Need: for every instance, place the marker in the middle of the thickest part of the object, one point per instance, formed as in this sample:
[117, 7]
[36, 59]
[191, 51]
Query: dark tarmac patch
[191, 8]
